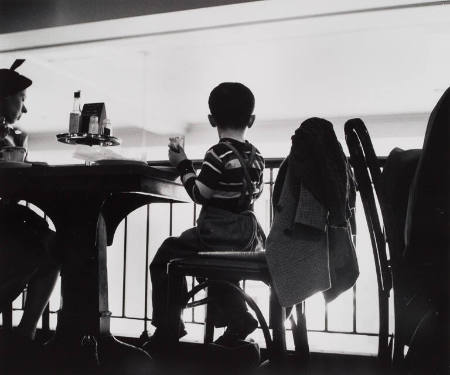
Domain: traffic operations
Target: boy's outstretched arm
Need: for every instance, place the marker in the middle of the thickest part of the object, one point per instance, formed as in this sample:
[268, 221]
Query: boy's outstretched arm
[200, 188]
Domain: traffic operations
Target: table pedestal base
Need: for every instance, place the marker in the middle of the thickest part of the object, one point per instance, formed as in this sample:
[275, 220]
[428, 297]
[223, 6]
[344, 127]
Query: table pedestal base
[97, 356]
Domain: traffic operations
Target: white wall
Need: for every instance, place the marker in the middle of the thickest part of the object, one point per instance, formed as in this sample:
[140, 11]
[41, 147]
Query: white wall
[301, 58]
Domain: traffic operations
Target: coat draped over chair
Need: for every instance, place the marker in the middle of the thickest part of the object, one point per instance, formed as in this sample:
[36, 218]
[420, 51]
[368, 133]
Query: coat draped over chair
[309, 248]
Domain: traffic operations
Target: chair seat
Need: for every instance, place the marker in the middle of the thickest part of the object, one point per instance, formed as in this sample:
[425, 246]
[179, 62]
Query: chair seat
[219, 268]
[242, 265]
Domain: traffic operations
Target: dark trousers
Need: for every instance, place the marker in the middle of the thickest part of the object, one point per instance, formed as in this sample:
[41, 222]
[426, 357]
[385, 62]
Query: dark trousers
[25, 250]
[226, 305]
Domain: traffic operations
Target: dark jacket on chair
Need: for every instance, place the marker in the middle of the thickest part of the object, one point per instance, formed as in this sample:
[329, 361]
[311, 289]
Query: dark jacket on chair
[309, 248]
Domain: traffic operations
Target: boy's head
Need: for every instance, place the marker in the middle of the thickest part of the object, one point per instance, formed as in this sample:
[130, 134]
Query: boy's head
[231, 105]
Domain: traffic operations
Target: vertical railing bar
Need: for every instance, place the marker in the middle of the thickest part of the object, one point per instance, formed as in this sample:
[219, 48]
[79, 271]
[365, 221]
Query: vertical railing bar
[194, 222]
[270, 224]
[170, 218]
[147, 239]
[326, 317]
[193, 308]
[354, 308]
[354, 287]
[124, 265]
[24, 292]
[194, 219]
[46, 313]
[271, 196]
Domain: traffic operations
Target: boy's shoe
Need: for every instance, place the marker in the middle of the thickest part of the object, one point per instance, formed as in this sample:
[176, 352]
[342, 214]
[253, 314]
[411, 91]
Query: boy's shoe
[241, 358]
[157, 343]
[237, 330]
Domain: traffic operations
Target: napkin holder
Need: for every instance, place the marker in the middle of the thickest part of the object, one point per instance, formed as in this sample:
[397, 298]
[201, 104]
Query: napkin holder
[91, 109]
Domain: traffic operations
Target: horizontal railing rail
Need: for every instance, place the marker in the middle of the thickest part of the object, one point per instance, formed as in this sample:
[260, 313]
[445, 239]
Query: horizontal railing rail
[269, 162]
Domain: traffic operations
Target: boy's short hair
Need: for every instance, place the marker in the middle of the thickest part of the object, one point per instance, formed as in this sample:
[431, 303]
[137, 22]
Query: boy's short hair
[231, 104]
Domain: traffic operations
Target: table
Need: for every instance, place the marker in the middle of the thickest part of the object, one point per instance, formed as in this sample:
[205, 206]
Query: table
[86, 204]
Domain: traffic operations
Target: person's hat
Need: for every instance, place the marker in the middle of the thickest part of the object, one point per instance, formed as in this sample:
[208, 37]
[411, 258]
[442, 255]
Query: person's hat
[12, 82]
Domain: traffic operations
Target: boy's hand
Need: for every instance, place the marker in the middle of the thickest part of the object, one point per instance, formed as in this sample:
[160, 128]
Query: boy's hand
[176, 156]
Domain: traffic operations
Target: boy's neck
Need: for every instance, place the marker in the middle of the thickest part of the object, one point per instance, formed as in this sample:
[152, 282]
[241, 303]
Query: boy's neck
[237, 134]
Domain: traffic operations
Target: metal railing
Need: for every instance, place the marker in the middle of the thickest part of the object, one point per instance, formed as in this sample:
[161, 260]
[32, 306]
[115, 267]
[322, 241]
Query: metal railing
[272, 166]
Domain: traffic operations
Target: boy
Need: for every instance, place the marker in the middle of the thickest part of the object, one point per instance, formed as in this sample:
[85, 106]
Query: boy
[226, 190]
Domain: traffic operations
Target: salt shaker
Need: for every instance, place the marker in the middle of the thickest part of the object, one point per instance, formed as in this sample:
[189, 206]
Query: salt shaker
[93, 125]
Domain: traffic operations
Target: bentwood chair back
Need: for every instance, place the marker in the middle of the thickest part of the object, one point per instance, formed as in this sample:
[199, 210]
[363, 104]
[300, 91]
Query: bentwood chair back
[413, 199]
[367, 174]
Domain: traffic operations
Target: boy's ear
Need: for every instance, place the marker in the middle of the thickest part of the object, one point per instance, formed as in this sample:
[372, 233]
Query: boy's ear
[251, 120]
[212, 121]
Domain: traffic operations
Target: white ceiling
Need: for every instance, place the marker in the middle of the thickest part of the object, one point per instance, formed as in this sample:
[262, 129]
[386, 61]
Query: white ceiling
[157, 71]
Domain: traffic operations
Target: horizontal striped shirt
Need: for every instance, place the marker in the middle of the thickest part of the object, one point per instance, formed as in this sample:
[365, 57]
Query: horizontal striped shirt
[220, 182]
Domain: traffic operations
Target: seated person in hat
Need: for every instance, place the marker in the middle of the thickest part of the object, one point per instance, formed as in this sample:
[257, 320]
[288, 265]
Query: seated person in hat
[25, 238]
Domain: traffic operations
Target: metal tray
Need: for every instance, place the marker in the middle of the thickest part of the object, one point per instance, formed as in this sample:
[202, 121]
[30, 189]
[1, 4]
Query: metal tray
[88, 139]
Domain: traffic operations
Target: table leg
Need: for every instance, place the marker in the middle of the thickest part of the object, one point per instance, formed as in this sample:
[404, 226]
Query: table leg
[83, 341]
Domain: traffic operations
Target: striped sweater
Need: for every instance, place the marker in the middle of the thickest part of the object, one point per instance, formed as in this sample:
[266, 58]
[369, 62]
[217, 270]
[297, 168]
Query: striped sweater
[220, 182]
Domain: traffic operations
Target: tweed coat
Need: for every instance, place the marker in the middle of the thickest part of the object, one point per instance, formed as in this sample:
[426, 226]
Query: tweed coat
[309, 248]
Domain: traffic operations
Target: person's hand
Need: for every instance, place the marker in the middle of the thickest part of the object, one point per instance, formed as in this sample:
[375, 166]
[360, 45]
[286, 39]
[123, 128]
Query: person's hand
[176, 156]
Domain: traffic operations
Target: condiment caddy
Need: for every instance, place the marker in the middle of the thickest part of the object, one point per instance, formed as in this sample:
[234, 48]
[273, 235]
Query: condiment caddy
[88, 126]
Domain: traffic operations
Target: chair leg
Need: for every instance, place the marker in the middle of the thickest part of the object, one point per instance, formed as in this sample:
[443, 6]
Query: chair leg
[209, 327]
[300, 333]
[383, 338]
[277, 319]
[397, 352]
[7, 317]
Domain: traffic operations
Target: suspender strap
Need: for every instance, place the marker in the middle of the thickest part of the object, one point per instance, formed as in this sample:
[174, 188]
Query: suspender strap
[248, 184]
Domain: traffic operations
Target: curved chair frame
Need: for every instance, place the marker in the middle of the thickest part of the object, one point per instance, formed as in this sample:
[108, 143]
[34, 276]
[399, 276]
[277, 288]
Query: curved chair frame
[367, 173]
[249, 300]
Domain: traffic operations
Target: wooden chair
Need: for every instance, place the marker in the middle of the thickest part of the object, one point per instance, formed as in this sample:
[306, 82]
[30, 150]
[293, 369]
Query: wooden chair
[425, 259]
[367, 174]
[216, 266]
[411, 303]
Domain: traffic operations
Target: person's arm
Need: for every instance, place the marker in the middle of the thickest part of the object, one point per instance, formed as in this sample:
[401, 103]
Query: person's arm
[201, 188]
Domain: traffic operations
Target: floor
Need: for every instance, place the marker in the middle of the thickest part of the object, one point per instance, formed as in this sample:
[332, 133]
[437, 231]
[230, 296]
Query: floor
[189, 359]
[199, 360]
